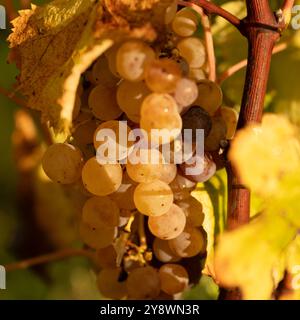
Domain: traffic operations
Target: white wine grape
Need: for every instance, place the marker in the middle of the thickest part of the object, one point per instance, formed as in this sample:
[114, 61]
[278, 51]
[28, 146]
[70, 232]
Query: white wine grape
[62, 163]
[101, 180]
[154, 198]
[100, 212]
[131, 59]
[169, 225]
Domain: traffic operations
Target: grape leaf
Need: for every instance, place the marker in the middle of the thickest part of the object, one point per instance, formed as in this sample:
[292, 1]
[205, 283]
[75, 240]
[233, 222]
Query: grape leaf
[263, 154]
[54, 44]
[251, 257]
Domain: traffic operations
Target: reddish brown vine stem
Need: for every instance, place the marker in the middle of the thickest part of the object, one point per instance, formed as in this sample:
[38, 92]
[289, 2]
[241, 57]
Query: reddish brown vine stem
[262, 28]
[211, 8]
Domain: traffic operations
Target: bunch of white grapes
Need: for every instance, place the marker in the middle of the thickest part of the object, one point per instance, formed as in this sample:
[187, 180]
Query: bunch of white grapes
[160, 85]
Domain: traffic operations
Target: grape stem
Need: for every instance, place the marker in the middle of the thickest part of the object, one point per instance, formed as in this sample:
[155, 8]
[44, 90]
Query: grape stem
[50, 257]
[209, 43]
[242, 64]
[211, 8]
[142, 235]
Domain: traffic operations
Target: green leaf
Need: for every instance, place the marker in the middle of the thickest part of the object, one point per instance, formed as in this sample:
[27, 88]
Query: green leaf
[207, 289]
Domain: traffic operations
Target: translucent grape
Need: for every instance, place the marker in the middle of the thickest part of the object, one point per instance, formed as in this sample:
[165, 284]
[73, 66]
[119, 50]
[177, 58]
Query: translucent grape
[182, 187]
[160, 111]
[193, 210]
[141, 169]
[169, 225]
[189, 243]
[197, 74]
[163, 252]
[216, 135]
[97, 238]
[132, 58]
[110, 285]
[171, 12]
[62, 163]
[122, 144]
[173, 278]
[186, 93]
[162, 75]
[101, 180]
[106, 257]
[197, 118]
[193, 51]
[154, 198]
[185, 23]
[130, 96]
[143, 283]
[210, 96]
[208, 168]
[100, 212]
[101, 73]
[103, 103]
[231, 117]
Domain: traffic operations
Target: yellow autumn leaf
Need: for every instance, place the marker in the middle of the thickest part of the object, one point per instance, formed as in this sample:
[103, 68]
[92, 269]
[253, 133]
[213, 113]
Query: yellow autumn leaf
[252, 257]
[54, 44]
[264, 154]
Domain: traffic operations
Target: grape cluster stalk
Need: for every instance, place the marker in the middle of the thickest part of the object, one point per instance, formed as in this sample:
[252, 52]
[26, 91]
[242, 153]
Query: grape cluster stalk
[140, 218]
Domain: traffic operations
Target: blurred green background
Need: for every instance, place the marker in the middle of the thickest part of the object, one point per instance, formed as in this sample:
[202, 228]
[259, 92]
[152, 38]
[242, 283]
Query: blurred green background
[20, 237]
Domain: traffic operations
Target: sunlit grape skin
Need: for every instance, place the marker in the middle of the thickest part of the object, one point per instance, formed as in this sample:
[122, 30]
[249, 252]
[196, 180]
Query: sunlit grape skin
[163, 252]
[101, 180]
[169, 225]
[193, 210]
[132, 58]
[154, 198]
[186, 93]
[185, 23]
[103, 103]
[62, 163]
[193, 51]
[130, 96]
[141, 169]
[230, 116]
[205, 165]
[97, 238]
[189, 243]
[210, 96]
[162, 75]
[160, 111]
